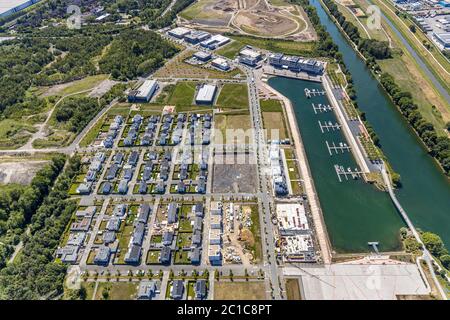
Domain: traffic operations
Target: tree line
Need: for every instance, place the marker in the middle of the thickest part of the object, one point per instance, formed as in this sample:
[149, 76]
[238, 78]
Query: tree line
[438, 146]
[37, 275]
[18, 204]
[135, 53]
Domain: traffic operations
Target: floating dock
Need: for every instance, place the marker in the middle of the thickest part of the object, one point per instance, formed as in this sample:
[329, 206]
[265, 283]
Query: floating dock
[313, 92]
[336, 149]
[329, 126]
[320, 108]
[349, 172]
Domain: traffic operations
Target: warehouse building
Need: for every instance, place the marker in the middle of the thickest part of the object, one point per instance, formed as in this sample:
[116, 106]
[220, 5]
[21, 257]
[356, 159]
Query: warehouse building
[179, 32]
[443, 39]
[206, 94]
[144, 93]
[215, 42]
[197, 36]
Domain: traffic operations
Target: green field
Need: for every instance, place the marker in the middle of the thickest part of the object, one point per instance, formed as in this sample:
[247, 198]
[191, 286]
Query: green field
[233, 96]
[231, 50]
[14, 133]
[271, 105]
[277, 45]
[183, 94]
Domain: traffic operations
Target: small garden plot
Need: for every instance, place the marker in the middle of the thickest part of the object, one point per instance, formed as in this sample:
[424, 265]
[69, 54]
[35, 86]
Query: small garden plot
[153, 257]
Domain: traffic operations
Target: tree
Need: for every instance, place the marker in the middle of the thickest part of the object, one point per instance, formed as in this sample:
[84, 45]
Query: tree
[445, 260]
[412, 28]
[433, 243]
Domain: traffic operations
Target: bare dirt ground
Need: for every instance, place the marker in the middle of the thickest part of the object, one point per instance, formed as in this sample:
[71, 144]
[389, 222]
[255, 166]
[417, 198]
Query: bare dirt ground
[234, 178]
[102, 88]
[19, 172]
[251, 17]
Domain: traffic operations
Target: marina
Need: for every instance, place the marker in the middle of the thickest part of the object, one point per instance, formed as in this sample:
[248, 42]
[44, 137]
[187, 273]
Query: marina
[320, 108]
[329, 126]
[346, 173]
[309, 93]
[355, 212]
[337, 149]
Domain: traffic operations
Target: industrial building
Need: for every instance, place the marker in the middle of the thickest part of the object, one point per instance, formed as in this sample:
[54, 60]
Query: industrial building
[202, 56]
[221, 64]
[144, 93]
[296, 64]
[197, 36]
[249, 56]
[443, 39]
[9, 7]
[179, 32]
[206, 94]
[215, 42]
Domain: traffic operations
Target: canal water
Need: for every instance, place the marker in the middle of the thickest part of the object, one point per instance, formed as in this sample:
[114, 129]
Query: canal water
[356, 213]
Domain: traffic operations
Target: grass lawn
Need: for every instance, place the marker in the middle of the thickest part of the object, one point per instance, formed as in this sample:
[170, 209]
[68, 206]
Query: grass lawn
[271, 105]
[153, 257]
[274, 124]
[256, 231]
[87, 83]
[277, 45]
[181, 257]
[293, 289]
[116, 290]
[245, 290]
[231, 122]
[183, 94]
[233, 96]
[230, 50]
[14, 133]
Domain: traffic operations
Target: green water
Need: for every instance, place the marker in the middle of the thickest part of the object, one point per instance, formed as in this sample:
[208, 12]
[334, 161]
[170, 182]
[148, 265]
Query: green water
[425, 192]
[355, 212]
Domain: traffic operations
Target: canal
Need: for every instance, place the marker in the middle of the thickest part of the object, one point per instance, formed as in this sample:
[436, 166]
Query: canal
[355, 212]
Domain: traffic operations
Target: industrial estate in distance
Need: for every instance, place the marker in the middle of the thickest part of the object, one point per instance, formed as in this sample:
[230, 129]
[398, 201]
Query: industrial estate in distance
[225, 150]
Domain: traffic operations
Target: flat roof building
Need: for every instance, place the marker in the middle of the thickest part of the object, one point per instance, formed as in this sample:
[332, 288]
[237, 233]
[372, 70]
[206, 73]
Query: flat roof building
[443, 39]
[221, 63]
[179, 32]
[215, 254]
[197, 36]
[206, 94]
[203, 56]
[144, 93]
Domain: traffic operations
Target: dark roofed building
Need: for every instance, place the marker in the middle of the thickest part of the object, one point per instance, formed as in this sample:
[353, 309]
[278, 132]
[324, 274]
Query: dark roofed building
[142, 187]
[200, 289]
[172, 211]
[165, 255]
[138, 233]
[177, 289]
[133, 254]
[167, 238]
[144, 212]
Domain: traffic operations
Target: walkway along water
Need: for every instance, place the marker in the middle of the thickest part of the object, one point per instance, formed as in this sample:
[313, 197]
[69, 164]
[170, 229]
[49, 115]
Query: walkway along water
[425, 192]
